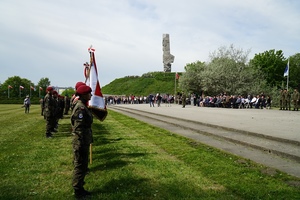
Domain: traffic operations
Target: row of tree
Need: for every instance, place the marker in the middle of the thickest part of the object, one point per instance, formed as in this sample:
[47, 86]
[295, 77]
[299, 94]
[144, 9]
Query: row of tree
[17, 87]
[229, 70]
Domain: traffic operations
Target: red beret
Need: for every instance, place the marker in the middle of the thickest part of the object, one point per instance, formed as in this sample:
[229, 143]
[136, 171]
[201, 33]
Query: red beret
[79, 84]
[49, 88]
[54, 92]
[83, 89]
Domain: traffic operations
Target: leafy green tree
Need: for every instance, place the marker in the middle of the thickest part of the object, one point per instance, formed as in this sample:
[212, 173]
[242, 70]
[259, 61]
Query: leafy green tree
[227, 72]
[43, 84]
[15, 84]
[294, 71]
[190, 81]
[68, 92]
[272, 63]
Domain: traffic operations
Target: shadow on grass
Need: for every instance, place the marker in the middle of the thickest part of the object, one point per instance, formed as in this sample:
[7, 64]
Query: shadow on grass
[114, 160]
[124, 186]
[64, 130]
[108, 156]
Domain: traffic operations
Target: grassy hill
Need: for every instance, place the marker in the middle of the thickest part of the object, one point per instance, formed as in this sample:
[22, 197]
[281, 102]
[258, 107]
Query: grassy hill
[151, 82]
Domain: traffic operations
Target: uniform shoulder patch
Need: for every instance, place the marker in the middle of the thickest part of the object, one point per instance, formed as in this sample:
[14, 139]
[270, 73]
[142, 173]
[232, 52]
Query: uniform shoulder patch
[82, 108]
[80, 116]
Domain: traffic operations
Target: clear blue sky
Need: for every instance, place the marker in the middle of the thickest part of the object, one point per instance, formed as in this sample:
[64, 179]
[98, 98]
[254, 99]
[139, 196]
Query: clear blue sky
[50, 38]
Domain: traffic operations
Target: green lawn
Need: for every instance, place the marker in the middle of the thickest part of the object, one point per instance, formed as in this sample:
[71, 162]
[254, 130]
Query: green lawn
[131, 160]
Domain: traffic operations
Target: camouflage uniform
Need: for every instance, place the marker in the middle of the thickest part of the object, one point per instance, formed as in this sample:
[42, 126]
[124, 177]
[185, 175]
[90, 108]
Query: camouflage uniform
[81, 120]
[49, 113]
[67, 105]
[287, 100]
[296, 98]
[281, 101]
[183, 100]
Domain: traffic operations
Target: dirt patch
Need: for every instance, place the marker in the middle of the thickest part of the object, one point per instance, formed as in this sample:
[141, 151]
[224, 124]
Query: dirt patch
[269, 171]
[294, 183]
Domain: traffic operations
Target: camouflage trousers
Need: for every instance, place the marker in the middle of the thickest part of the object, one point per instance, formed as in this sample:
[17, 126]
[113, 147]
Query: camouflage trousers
[49, 125]
[81, 157]
[296, 104]
[287, 105]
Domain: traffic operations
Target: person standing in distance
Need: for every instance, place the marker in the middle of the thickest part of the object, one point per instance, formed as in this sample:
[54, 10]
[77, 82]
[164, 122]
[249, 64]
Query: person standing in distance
[27, 104]
[295, 99]
[49, 111]
[81, 121]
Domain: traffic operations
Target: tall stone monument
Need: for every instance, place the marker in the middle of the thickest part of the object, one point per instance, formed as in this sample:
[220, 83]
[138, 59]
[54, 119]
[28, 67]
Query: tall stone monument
[168, 58]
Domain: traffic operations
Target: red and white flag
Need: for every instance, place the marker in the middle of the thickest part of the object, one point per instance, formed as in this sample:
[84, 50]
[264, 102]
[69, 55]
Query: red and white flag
[31, 87]
[21, 87]
[97, 103]
[41, 88]
[10, 87]
[176, 76]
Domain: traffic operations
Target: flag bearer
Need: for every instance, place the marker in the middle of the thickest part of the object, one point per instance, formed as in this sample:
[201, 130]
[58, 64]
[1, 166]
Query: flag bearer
[81, 121]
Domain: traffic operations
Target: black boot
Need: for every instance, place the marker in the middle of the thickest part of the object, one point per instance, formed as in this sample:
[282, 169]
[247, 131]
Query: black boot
[81, 193]
[48, 135]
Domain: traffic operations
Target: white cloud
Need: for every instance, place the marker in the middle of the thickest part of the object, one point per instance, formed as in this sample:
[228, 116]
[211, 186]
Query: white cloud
[50, 38]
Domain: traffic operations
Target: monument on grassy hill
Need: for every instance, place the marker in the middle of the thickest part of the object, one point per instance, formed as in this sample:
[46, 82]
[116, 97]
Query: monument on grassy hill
[168, 58]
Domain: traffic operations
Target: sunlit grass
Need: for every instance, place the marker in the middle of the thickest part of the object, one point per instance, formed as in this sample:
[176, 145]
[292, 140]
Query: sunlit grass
[131, 160]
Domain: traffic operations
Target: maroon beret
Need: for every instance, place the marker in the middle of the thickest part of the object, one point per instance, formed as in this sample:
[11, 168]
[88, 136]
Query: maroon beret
[79, 84]
[54, 92]
[83, 89]
[49, 88]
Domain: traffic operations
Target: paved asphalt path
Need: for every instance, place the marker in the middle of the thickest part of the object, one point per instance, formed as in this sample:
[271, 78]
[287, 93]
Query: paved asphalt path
[273, 122]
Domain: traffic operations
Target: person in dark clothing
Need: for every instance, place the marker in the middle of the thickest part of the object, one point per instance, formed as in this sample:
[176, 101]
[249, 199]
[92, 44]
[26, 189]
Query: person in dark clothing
[81, 121]
[49, 111]
[151, 100]
[183, 100]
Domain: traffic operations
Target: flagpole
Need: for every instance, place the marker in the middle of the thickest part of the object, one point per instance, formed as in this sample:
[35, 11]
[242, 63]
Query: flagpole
[287, 83]
[287, 80]
[30, 91]
[175, 89]
[8, 92]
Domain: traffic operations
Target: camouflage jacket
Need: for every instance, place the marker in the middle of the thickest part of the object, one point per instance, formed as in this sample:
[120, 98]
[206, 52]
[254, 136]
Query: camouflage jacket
[81, 121]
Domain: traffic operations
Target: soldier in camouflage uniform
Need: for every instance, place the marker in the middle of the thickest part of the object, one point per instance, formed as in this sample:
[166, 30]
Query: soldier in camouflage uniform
[295, 99]
[281, 96]
[56, 111]
[81, 120]
[287, 100]
[49, 111]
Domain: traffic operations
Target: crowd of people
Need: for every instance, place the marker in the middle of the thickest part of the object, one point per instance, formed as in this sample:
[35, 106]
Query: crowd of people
[260, 101]
[132, 99]
[233, 101]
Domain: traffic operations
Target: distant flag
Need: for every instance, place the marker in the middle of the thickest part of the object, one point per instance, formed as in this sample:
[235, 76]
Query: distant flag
[31, 87]
[286, 71]
[8, 87]
[21, 87]
[97, 103]
[41, 88]
[177, 76]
